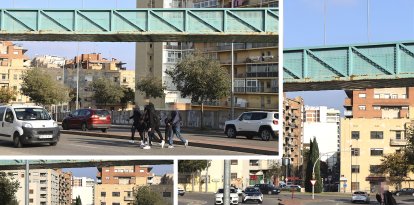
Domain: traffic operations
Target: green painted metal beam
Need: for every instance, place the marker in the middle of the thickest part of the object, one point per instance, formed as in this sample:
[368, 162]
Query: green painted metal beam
[141, 25]
[349, 66]
[54, 164]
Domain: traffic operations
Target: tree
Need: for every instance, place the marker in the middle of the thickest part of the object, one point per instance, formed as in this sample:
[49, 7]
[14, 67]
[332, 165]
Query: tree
[273, 172]
[409, 150]
[396, 166]
[78, 201]
[42, 89]
[7, 94]
[8, 188]
[201, 78]
[106, 91]
[151, 87]
[129, 96]
[145, 196]
[313, 157]
[191, 167]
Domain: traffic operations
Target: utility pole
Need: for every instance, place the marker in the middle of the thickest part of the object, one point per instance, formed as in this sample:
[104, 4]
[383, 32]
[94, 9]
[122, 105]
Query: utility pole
[207, 178]
[26, 184]
[232, 74]
[226, 188]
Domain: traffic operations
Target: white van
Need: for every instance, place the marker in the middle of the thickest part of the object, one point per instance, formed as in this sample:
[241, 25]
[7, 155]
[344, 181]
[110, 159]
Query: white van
[27, 125]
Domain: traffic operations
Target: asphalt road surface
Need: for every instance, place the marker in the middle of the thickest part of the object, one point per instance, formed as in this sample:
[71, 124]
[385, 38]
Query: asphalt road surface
[70, 144]
[208, 198]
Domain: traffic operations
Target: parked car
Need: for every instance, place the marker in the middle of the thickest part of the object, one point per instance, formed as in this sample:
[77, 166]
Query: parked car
[268, 188]
[28, 125]
[181, 191]
[250, 124]
[405, 191]
[234, 197]
[360, 196]
[293, 186]
[87, 119]
[252, 194]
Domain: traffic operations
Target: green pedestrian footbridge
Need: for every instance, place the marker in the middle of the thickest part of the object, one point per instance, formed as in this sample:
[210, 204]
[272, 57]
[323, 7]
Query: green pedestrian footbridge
[349, 67]
[141, 25]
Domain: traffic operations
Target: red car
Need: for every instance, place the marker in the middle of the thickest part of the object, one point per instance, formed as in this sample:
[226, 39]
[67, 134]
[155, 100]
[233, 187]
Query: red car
[87, 119]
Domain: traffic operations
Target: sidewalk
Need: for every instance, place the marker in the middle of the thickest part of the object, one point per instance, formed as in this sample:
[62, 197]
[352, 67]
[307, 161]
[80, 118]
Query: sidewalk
[213, 140]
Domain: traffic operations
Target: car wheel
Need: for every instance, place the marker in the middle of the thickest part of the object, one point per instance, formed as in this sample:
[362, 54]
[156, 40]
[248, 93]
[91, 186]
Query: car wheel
[231, 132]
[65, 126]
[16, 141]
[84, 127]
[265, 134]
[53, 143]
[104, 130]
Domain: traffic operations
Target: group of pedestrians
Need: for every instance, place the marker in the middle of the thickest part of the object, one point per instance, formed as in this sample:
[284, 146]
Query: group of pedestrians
[148, 126]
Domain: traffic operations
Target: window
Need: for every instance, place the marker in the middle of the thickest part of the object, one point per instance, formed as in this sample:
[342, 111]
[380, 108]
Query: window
[362, 107]
[355, 169]
[15, 76]
[254, 162]
[355, 151]
[103, 194]
[103, 203]
[233, 176]
[355, 185]
[377, 107]
[355, 135]
[362, 95]
[3, 76]
[116, 194]
[116, 203]
[398, 135]
[234, 162]
[107, 178]
[376, 96]
[377, 135]
[106, 170]
[404, 96]
[394, 96]
[386, 96]
[375, 169]
[31, 191]
[15, 52]
[377, 152]
[269, 101]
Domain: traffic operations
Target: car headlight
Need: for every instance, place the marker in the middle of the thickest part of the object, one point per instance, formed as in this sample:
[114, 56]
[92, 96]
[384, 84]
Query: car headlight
[27, 125]
[55, 124]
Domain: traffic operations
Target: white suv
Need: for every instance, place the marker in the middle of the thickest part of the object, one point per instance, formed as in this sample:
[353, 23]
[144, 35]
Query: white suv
[234, 197]
[257, 123]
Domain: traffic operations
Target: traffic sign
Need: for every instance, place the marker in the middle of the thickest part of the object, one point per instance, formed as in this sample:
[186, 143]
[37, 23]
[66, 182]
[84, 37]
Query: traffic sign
[313, 182]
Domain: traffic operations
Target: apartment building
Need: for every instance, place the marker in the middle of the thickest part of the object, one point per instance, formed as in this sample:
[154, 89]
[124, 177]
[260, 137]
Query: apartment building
[92, 67]
[48, 61]
[83, 187]
[293, 124]
[116, 183]
[375, 125]
[13, 63]
[65, 187]
[244, 173]
[317, 118]
[256, 73]
[46, 186]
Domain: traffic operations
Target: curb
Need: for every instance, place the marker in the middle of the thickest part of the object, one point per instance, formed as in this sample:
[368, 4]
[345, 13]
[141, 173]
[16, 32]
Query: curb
[193, 144]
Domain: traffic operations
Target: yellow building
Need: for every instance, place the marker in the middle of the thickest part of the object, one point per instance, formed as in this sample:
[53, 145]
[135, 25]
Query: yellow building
[121, 194]
[363, 143]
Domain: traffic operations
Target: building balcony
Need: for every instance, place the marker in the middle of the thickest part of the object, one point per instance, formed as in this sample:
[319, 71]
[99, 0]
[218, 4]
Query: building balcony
[348, 102]
[254, 89]
[348, 113]
[129, 198]
[398, 142]
[391, 102]
[261, 74]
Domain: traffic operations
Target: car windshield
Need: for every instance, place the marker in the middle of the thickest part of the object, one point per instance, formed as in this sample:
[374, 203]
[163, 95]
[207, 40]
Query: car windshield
[101, 112]
[32, 114]
[251, 189]
[360, 193]
[231, 191]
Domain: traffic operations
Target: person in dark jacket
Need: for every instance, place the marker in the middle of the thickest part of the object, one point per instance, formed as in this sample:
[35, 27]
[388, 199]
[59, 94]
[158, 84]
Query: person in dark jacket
[176, 124]
[153, 125]
[137, 125]
[168, 130]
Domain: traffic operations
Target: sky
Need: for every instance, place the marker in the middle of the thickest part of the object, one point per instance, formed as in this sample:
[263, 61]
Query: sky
[123, 51]
[92, 171]
[346, 23]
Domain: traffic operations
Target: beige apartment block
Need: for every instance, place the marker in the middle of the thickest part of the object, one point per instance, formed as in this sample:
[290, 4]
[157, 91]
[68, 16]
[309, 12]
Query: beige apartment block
[363, 143]
[244, 173]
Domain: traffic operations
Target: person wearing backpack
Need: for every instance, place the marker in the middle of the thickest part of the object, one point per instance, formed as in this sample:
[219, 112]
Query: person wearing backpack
[137, 125]
[176, 124]
[153, 125]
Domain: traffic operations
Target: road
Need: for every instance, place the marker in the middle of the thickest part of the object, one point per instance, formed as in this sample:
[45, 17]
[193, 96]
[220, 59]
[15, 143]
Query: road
[208, 198]
[76, 144]
[285, 198]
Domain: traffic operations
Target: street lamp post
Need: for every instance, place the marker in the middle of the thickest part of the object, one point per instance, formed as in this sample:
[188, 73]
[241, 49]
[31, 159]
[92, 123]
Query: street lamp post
[313, 171]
